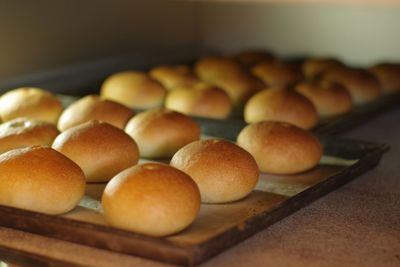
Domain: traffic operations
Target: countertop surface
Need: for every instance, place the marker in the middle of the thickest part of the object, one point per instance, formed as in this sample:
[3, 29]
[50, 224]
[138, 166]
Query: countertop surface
[355, 225]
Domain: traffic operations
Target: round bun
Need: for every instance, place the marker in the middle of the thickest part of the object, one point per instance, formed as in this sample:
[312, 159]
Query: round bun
[315, 67]
[173, 76]
[92, 107]
[152, 199]
[329, 98]
[210, 68]
[223, 171]
[160, 133]
[230, 76]
[133, 89]
[23, 132]
[99, 148]
[279, 104]
[239, 88]
[362, 85]
[280, 148]
[388, 75]
[201, 100]
[250, 58]
[277, 73]
[40, 179]
[32, 103]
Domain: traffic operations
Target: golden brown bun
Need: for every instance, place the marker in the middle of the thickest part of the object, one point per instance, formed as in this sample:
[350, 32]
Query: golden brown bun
[92, 107]
[230, 76]
[280, 148]
[250, 58]
[280, 104]
[40, 179]
[210, 68]
[201, 100]
[99, 148]
[173, 76]
[329, 98]
[160, 133]
[362, 85]
[152, 199]
[223, 171]
[32, 103]
[239, 88]
[388, 75]
[276, 73]
[315, 67]
[23, 132]
[133, 89]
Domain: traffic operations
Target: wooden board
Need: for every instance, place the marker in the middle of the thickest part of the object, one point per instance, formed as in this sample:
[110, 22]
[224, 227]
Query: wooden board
[218, 227]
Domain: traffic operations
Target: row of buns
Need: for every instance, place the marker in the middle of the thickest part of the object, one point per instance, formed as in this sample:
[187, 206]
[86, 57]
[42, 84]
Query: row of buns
[99, 138]
[221, 86]
[218, 86]
[154, 199]
[209, 171]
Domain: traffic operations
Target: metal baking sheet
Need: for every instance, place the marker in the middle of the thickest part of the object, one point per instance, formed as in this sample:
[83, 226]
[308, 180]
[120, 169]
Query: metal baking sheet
[229, 128]
[217, 227]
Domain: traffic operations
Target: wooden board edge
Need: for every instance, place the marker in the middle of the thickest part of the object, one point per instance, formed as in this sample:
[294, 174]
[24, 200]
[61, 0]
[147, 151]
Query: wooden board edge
[25, 258]
[236, 234]
[83, 233]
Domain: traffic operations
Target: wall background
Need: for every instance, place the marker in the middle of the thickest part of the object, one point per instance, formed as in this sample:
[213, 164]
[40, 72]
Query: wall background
[44, 34]
[41, 35]
[358, 34]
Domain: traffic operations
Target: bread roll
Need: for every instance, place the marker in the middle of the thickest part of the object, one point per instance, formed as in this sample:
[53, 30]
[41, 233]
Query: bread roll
[280, 148]
[210, 68]
[251, 58]
[329, 98]
[239, 88]
[230, 76]
[388, 75]
[315, 67]
[99, 148]
[223, 171]
[362, 85]
[160, 133]
[280, 104]
[133, 89]
[277, 73]
[201, 100]
[40, 179]
[32, 103]
[23, 132]
[152, 199]
[173, 76]
[92, 107]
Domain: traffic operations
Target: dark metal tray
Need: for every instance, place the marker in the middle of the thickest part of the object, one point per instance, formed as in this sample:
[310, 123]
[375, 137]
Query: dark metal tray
[218, 227]
[231, 127]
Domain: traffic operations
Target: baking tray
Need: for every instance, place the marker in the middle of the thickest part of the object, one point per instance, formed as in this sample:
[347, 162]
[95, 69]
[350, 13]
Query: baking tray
[218, 227]
[214, 127]
[230, 128]
[86, 78]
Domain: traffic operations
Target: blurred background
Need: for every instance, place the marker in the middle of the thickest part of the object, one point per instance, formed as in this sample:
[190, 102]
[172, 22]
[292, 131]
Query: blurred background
[43, 35]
